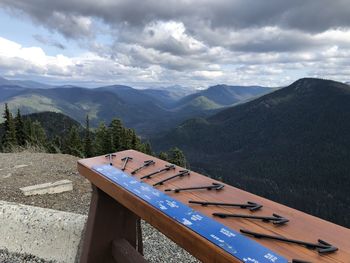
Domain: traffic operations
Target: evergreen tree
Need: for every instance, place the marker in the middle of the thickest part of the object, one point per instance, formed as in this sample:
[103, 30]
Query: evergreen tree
[135, 142]
[9, 139]
[164, 156]
[20, 130]
[115, 137]
[28, 130]
[147, 148]
[116, 133]
[102, 141]
[74, 142]
[176, 156]
[57, 141]
[126, 139]
[88, 150]
[55, 146]
[51, 148]
[6, 115]
[38, 134]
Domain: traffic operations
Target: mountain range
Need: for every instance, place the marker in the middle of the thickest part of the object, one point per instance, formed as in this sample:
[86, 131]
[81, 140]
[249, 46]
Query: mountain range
[225, 95]
[25, 84]
[149, 111]
[292, 146]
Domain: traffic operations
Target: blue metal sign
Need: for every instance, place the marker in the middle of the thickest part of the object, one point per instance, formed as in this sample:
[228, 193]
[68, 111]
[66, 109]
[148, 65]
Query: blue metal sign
[231, 241]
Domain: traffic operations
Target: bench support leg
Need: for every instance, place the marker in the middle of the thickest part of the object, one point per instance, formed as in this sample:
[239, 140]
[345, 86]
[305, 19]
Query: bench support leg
[113, 233]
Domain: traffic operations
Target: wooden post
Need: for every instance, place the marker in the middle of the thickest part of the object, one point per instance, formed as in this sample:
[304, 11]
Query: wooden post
[109, 221]
[123, 252]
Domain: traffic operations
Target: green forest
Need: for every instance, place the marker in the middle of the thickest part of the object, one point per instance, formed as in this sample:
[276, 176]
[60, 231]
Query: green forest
[21, 132]
[291, 146]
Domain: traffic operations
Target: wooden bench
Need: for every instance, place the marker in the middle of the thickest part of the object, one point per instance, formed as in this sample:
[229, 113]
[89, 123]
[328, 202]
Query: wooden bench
[113, 232]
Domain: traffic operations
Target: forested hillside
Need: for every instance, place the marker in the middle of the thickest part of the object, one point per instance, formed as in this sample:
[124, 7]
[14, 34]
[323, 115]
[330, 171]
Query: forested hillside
[56, 133]
[292, 146]
[147, 111]
[226, 95]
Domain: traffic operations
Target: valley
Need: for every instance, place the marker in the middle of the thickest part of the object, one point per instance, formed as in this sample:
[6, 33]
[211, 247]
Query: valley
[292, 146]
[289, 144]
[149, 111]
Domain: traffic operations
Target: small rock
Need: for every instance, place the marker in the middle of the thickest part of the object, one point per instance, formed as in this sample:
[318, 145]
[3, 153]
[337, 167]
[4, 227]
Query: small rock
[7, 176]
[20, 166]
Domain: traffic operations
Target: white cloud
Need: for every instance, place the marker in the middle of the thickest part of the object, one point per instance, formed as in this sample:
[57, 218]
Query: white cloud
[33, 57]
[187, 42]
[142, 66]
[18, 60]
[206, 74]
[169, 37]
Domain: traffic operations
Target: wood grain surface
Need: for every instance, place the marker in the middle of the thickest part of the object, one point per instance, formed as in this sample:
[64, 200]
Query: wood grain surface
[301, 226]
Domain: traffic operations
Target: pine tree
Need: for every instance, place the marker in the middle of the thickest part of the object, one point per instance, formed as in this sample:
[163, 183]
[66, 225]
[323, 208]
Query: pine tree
[74, 142]
[115, 137]
[116, 133]
[147, 149]
[135, 142]
[38, 134]
[20, 130]
[55, 146]
[9, 139]
[126, 139]
[6, 115]
[88, 150]
[176, 156]
[57, 142]
[51, 148]
[164, 156]
[27, 122]
[102, 143]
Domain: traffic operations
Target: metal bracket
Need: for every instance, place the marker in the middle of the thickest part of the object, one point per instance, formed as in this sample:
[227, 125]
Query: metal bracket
[299, 261]
[126, 160]
[180, 174]
[110, 158]
[145, 164]
[275, 219]
[215, 186]
[322, 246]
[250, 205]
[168, 167]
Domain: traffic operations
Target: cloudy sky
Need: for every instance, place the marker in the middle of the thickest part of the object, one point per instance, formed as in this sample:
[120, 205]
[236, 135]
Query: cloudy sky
[193, 43]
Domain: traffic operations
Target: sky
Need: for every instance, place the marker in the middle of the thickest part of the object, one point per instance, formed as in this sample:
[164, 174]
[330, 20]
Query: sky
[193, 43]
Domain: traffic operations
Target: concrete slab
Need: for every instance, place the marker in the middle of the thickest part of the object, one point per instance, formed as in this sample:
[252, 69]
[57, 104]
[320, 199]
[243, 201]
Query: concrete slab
[48, 188]
[45, 233]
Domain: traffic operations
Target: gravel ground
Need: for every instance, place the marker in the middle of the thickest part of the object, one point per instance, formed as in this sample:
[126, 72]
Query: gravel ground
[7, 257]
[26, 168]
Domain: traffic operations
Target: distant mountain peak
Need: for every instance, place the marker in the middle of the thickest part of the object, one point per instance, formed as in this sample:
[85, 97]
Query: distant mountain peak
[117, 86]
[297, 137]
[29, 84]
[311, 85]
[4, 81]
[309, 81]
[218, 86]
